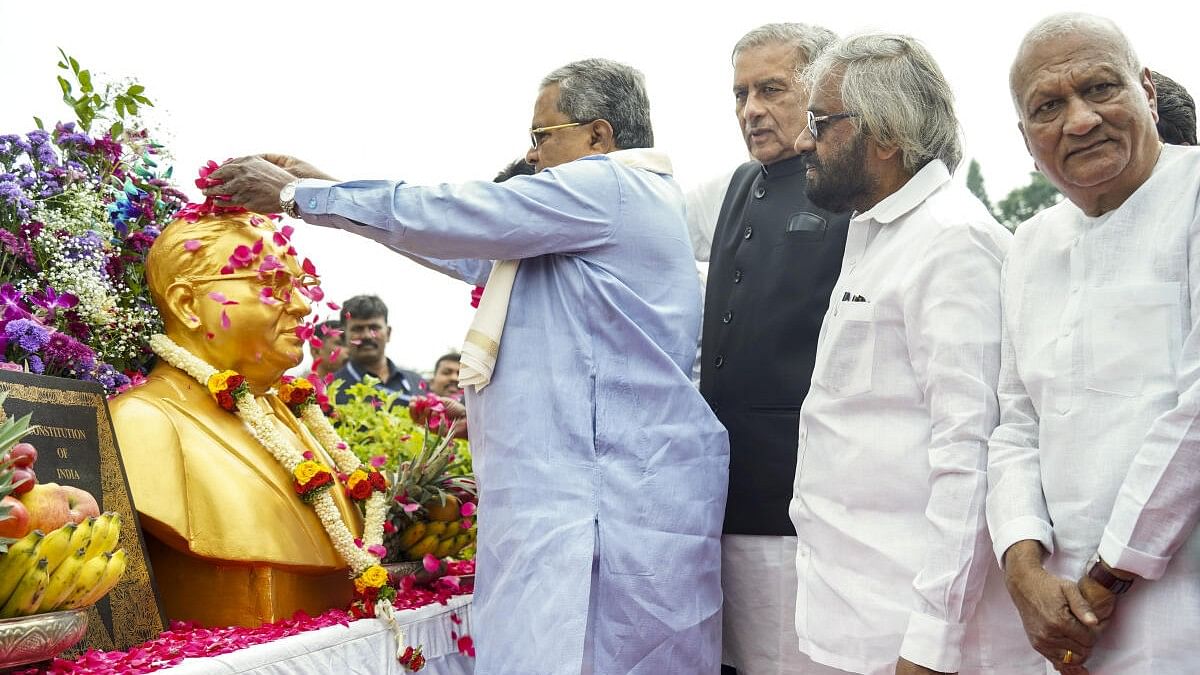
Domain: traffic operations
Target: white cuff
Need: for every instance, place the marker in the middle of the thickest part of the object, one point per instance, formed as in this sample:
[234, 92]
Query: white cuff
[933, 643]
[1119, 556]
[1019, 529]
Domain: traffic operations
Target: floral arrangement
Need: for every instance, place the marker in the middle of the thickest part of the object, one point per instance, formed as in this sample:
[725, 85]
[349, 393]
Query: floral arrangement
[374, 425]
[226, 387]
[78, 210]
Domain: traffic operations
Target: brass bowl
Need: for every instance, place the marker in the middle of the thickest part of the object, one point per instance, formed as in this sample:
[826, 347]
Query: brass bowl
[27, 639]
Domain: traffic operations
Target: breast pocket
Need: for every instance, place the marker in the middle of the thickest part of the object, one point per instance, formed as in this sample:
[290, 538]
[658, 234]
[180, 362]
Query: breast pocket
[1133, 333]
[847, 362]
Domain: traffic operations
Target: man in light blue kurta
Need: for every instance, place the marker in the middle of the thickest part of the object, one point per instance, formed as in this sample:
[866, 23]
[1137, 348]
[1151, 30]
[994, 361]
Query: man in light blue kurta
[602, 471]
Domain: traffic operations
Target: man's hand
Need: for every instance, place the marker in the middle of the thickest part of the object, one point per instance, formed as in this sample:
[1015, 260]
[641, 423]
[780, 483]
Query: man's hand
[1102, 600]
[906, 667]
[249, 182]
[1056, 616]
[297, 167]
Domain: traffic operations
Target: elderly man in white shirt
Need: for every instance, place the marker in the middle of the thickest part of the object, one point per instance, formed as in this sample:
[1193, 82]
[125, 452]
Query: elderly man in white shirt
[1094, 470]
[890, 483]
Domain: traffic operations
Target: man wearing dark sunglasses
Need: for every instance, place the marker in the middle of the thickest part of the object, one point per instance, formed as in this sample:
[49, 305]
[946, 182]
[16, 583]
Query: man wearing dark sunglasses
[773, 257]
[602, 471]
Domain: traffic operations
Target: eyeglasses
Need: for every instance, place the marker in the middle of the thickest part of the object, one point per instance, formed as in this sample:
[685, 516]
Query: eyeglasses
[814, 120]
[539, 134]
[279, 281]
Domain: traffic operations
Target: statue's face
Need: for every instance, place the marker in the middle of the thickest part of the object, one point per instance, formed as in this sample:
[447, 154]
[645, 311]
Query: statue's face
[243, 314]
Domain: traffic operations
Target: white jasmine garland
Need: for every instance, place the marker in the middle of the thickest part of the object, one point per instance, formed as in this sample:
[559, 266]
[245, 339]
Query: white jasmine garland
[250, 410]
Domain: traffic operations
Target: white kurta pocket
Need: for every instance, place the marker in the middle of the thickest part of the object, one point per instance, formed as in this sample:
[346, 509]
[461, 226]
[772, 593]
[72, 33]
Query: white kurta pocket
[847, 362]
[1132, 332]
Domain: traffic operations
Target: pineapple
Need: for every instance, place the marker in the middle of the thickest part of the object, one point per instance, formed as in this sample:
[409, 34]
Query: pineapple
[436, 526]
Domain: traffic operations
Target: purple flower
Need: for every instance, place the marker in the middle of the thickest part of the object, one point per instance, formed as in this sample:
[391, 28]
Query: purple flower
[51, 300]
[27, 333]
[12, 302]
[35, 364]
[12, 193]
[65, 135]
[65, 351]
[19, 247]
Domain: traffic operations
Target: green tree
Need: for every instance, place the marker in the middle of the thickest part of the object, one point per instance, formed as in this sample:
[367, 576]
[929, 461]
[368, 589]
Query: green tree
[1023, 202]
[975, 184]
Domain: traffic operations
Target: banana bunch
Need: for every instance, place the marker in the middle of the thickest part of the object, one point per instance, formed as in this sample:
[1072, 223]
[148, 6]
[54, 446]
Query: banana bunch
[437, 537]
[72, 567]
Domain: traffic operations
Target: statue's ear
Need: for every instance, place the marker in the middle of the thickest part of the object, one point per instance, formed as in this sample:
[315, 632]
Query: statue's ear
[181, 305]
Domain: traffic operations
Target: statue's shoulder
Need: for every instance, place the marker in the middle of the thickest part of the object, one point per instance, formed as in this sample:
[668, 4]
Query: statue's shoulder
[150, 409]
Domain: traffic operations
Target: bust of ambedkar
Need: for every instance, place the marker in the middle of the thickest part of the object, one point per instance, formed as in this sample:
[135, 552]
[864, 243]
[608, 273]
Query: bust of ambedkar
[229, 540]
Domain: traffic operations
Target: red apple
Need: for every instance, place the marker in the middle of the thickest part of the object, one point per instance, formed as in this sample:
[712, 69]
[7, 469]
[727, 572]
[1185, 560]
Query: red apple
[48, 507]
[16, 524]
[23, 455]
[23, 481]
[80, 503]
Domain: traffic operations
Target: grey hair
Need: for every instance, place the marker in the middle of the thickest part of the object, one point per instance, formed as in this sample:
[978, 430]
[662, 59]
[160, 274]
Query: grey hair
[899, 93]
[808, 40]
[600, 89]
[1057, 26]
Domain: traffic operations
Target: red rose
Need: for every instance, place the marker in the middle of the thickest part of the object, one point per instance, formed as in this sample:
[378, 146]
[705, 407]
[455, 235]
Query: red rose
[418, 663]
[320, 479]
[361, 490]
[226, 401]
[407, 657]
[377, 481]
[234, 382]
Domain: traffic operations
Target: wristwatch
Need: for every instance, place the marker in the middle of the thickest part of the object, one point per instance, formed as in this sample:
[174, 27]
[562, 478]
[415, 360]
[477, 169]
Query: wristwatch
[1101, 574]
[287, 199]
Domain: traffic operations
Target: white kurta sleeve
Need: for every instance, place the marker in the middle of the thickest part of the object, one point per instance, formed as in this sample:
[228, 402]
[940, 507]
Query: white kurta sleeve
[569, 209]
[952, 325]
[1158, 505]
[703, 204]
[1016, 506]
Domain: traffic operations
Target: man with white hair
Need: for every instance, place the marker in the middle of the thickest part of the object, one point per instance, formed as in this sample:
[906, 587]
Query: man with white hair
[773, 257]
[888, 500]
[1094, 467]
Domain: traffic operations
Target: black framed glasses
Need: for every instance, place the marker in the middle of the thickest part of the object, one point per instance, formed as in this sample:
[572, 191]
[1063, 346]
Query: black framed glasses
[815, 120]
[539, 134]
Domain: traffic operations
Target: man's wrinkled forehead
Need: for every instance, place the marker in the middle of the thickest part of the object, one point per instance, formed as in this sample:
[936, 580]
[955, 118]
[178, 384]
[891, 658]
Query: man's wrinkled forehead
[1091, 48]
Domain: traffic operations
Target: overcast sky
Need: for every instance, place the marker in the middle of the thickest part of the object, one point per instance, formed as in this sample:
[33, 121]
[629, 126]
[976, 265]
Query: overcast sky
[443, 91]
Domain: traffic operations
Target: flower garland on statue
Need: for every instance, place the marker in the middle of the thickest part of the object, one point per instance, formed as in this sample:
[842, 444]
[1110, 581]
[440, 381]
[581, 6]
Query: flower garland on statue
[312, 479]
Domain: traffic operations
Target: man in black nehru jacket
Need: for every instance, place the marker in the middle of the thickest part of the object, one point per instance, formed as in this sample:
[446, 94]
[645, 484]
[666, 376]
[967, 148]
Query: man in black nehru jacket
[773, 260]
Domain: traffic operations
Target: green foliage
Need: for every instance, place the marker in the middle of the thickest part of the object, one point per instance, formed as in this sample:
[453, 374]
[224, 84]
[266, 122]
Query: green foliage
[112, 105]
[373, 424]
[1023, 202]
[975, 184]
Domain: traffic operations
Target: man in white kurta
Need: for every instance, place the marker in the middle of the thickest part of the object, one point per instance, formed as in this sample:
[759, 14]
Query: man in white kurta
[1095, 466]
[890, 481]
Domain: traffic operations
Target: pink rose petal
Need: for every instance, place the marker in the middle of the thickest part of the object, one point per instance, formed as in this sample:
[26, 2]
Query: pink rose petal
[192, 245]
[431, 563]
[468, 509]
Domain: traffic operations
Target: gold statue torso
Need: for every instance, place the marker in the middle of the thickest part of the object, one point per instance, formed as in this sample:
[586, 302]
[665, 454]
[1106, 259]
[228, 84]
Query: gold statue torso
[230, 541]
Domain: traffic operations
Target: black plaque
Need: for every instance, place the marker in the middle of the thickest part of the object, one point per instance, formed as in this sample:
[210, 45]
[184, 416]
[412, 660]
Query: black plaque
[77, 446]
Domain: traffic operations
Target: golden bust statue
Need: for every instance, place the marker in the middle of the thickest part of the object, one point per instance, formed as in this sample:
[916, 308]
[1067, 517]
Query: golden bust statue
[230, 542]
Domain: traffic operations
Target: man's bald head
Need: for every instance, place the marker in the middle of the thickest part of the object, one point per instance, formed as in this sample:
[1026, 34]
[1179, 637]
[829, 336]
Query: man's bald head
[1099, 30]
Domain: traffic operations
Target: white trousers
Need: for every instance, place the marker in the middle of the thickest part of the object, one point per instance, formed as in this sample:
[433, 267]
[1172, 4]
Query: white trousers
[758, 578]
